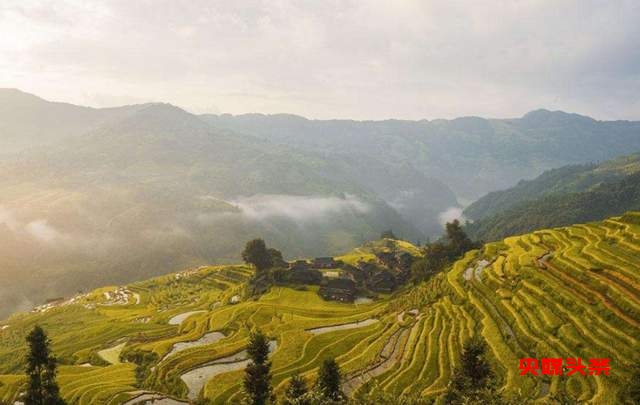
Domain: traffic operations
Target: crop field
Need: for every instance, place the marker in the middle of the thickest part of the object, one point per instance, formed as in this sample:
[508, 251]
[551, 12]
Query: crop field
[566, 292]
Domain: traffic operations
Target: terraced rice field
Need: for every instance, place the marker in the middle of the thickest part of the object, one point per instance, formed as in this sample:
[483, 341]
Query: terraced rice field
[567, 292]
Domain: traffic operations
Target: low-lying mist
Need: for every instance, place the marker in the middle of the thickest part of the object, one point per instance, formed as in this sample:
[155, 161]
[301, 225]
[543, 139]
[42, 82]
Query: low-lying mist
[57, 250]
[300, 209]
[451, 214]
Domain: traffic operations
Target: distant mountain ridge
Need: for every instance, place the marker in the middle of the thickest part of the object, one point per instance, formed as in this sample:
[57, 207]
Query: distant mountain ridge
[471, 155]
[27, 120]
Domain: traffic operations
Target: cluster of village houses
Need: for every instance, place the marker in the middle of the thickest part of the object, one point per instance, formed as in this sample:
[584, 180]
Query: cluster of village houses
[384, 275]
[119, 296]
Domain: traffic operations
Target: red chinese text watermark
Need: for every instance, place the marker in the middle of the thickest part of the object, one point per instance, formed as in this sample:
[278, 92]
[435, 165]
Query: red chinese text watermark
[560, 366]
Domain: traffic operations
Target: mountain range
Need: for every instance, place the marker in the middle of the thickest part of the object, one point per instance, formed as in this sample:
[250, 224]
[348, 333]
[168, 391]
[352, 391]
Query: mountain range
[101, 196]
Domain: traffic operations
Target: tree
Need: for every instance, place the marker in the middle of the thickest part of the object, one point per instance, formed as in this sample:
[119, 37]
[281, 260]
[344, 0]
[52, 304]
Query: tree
[436, 257]
[440, 254]
[296, 390]
[276, 258]
[329, 380]
[42, 388]
[257, 379]
[255, 253]
[388, 234]
[472, 380]
[143, 360]
[457, 240]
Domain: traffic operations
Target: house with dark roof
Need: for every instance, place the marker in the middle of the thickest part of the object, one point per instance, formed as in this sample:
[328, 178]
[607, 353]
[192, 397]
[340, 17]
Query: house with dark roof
[382, 281]
[338, 289]
[324, 263]
[404, 260]
[299, 265]
[367, 268]
[305, 276]
[354, 273]
[387, 259]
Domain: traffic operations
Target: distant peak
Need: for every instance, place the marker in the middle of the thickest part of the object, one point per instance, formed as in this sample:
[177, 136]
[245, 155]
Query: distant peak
[546, 117]
[543, 112]
[164, 108]
[161, 118]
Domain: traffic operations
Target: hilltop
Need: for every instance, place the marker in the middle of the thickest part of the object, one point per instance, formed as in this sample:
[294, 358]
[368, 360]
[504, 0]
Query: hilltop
[403, 343]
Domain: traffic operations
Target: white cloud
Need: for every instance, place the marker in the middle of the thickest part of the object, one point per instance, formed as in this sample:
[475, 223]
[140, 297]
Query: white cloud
[41, 230]
[451, 214]
[300, 209]
[356, 59]
[8, 219]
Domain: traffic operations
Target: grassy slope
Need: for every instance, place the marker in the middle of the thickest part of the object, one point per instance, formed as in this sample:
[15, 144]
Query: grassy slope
[584, 301]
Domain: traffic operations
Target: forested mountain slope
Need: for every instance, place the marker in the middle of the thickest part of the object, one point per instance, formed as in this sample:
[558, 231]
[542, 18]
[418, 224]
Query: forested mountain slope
[558, 197]
[566, 179]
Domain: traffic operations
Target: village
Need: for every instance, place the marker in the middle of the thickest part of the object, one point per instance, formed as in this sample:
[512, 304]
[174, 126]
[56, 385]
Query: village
[344, 282]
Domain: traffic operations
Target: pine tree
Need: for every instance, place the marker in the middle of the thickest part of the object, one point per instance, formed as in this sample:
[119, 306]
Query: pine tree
[472, 380]
[296, 389]
[42, 388]
[329, 380]
[257, 379]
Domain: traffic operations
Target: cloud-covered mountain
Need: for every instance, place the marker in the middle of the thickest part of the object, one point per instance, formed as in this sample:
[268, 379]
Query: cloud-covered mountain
[157, 189]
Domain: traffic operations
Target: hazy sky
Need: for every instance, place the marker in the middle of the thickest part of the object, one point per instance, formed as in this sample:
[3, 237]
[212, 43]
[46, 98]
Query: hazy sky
[323, 59]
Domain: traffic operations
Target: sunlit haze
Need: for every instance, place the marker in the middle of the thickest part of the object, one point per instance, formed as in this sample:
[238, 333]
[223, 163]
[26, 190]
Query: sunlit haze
[337, 59]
